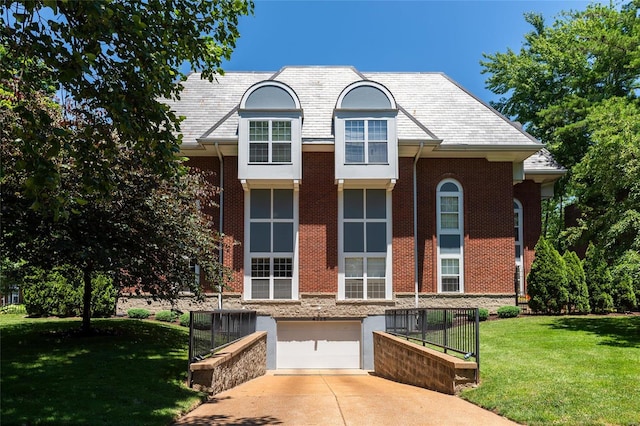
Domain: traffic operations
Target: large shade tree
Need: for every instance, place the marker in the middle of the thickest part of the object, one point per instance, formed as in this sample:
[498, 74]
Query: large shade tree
[146, 235]
[89, 170]
[575, 85]
[110, 61]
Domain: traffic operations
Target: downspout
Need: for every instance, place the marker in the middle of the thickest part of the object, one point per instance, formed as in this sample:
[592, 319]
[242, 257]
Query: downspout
[415, 222]
[221, 221]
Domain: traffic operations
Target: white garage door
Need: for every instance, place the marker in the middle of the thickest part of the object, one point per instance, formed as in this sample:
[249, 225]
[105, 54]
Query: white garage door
[313, 344]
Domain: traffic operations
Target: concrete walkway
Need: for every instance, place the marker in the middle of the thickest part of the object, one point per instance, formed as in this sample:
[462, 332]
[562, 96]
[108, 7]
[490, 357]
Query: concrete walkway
[335, 398]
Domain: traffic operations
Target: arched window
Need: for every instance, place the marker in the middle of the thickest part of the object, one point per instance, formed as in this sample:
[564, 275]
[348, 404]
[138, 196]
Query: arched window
[517, 227]
[450, 225]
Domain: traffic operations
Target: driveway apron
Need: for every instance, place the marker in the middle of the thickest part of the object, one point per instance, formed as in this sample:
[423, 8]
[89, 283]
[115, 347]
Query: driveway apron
[335, 398]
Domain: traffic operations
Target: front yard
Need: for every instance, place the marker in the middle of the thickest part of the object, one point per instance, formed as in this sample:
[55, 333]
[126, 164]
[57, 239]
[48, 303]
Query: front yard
[534, 370]
[132, 374]
[561, 370]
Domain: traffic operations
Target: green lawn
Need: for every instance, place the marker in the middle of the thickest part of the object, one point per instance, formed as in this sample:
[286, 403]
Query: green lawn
[133, 373]
[561, 370]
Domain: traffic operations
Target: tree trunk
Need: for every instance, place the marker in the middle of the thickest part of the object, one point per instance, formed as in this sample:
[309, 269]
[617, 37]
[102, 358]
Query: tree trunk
[86, 310]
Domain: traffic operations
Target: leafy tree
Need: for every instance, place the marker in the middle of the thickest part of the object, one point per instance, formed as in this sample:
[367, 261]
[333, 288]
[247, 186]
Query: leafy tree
[144, 235]
[112, 62]
[607, 180]
[547, 281]
[576, 284]
[599, 280]
[562, 70]
[574, 85]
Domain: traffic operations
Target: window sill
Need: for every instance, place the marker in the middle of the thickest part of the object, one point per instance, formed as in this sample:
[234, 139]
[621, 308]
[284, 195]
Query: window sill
[382, 302]
[270, 164]
[366, 164]
[273, 301]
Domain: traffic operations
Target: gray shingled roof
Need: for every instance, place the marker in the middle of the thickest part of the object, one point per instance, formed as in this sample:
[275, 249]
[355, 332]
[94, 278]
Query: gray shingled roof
[431, 107]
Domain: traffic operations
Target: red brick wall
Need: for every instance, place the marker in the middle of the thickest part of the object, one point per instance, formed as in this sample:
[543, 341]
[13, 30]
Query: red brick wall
[233, 213]
[209, 164]
[528, 193]
[488, 223]
[234, 223]
[403, 242]
[318, 228]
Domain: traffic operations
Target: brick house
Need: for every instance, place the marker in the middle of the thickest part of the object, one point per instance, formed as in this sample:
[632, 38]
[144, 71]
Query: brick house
[351, 193]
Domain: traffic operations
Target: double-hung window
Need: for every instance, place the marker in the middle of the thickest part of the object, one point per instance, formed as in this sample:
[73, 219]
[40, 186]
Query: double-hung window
[366, 141]
[270, 141]
[271, 243]
[450, 237]
[365, 224]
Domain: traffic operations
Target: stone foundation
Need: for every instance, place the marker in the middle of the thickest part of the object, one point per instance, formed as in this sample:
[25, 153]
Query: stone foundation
[239, 362]
[405, 362]
[319, 305]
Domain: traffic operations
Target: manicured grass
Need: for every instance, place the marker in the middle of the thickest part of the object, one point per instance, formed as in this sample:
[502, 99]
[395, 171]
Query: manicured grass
[131, 373]
[561, 370]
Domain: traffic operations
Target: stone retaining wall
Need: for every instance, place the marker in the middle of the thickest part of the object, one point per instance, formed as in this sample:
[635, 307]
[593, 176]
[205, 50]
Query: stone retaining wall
[319, 304]
[239, 362]
[405, 362]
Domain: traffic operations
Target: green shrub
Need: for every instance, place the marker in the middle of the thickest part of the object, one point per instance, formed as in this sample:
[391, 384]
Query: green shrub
[13, 309]
[103, 297]
[184, 319]
[483, 315]
[576, 284]
[599, 280]
[138, 313]
[437, 318]
[59, 292]
[547, 281]
[166, 316]
[508, 311]
[628, 266]
[624, 298]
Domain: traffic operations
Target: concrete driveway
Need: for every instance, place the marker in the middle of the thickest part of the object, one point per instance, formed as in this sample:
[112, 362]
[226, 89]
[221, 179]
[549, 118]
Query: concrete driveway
[335, 398]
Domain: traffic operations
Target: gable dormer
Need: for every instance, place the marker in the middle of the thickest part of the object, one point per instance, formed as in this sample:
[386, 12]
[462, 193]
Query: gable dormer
[366, 142]
[269, 141]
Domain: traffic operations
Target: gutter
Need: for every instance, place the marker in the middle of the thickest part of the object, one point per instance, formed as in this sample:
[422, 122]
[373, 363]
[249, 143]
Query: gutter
[415, 221]
[221, 218]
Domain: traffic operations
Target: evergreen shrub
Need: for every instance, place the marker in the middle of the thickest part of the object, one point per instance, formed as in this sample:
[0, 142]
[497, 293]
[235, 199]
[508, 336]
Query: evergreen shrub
[483, 315]
[59, 292]
[547, 281]
[629, 265]
[184, 319]
[508, 311]
[138, 313]
[437, 318]
[166, 316]
[576, 284]
[599, 280]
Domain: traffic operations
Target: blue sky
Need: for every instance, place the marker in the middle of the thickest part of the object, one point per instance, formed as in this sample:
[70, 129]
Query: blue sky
[446, 36]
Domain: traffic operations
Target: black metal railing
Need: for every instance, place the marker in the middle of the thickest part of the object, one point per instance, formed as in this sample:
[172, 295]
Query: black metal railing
[451, 329]
[210, 331]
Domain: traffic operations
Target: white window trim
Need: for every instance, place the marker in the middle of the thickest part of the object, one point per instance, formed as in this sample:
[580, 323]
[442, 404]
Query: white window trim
[519, 260]
[270, 141]
[248, 254]
[366, 141]
[388, 255]
[460, 231]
